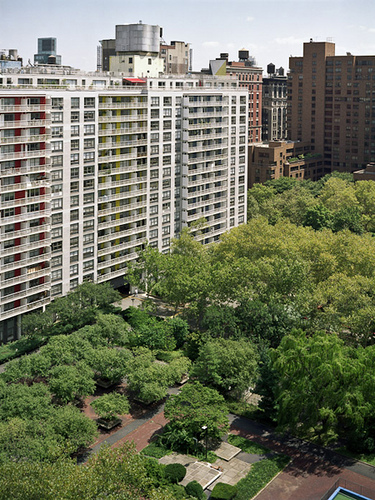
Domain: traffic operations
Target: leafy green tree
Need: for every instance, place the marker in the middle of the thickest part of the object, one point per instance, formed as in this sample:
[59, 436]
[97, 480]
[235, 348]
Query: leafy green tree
[110, 405]
[148, 270]
[193, 408]
[68, 383]
[109, 364]
[348, 218]
[229, 366]
[23, 401]
[318, 217]
[221, 321]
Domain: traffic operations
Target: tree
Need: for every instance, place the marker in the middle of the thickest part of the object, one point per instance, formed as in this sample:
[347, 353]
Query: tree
[148, 270]
[318, 217]
[321, 388]
[193, 408]
[110, 405]
[23, 401]
[71, 382]
[109, 364]
[229, 366]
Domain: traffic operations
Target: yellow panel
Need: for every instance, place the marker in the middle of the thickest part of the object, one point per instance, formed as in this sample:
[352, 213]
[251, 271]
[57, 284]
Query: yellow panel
[117, 216]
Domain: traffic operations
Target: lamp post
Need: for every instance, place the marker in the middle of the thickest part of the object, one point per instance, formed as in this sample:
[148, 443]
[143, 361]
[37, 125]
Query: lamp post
[204, 428]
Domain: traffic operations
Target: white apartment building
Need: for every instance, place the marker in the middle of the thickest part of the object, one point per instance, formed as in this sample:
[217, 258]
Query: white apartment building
[92, 169]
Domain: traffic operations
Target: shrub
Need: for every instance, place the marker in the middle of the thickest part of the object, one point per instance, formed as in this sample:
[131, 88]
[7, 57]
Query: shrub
[223, 491]
[194, 489]
[155, 472]
[174, 472]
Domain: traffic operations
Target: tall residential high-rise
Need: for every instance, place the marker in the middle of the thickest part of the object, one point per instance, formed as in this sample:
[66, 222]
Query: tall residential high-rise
[331, 103]
[93, 168]
[274, 105]
[47, 48]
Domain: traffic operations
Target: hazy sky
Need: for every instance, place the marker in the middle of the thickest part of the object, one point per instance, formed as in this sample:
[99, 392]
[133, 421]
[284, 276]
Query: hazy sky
[270, 30]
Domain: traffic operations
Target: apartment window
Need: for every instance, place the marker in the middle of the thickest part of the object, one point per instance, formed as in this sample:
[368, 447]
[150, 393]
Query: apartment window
[74, 144]
[154, 209]
[74, 228]
[89, 129]
[88, 169]
[57, 102]
[74, 201]
[74, 215]
[165, 242]
[88, 198]
[154, 101]
[88, 185]
[56, 117]
[88, 225]
[74, 130]
[88, 252]
[88, 238]
[154, 150]
[74, 256]
[153, 233]
[55, 247]
[154, 137]
[56, 131]
[56, 261]
[56, 232]
[89, 116]
[88, 212]
[89, 102]
[73, 269]
[74, 284]
[154, 125]
[88, 265]
[74, 116]
[167, 125]
[89, 157]
[74, 102]
[74, 158]
[55, 204]
[74, 242]
[56, 146]
[153, 221]
[89, 143]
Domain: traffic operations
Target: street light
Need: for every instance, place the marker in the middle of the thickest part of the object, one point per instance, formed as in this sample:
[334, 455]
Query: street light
[204, 428]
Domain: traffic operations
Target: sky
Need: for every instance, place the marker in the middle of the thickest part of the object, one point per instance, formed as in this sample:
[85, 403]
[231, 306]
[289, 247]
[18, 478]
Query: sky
[272, 30]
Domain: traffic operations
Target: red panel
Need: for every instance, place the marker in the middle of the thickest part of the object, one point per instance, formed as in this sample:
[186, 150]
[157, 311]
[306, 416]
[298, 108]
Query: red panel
[17, 132]
[41, 280]
[17, 303]
[17, 257]
[17, 226]
[41, 236]
[42, 161]
[42, 206]
[18, 164]
[17, 210]
[42, 145]
[42, 100]
[17, 101]
[41, 251]
[17, 288]
[17, 116]
[17, 272]
[17, 147]
[17, 242]
[42, 190]
[19, 195]
[17, 179]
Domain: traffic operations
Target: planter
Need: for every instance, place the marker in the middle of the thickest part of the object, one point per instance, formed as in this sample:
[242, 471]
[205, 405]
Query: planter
[108, 424]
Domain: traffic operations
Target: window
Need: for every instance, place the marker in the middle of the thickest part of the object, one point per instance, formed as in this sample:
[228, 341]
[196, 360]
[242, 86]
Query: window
[88, 225]
[74, 201]
[56, 275]
[88, 252]
[154, 101]
[56, 117]
[89, 129]
[153, 233]
[89, 156]
[74, 116]
[74, 158]
[73, 269]
[56, 261]
[55, 247]
[56, 146]
[74, 130]
[74, 228]
[88, 212]
[88, 169]
[89, 116]
[88, 185]
[57, 102]
[88, 238]
[56, 232]
[74, 144]
[74, 256]
[89, 143]
[56, 131]
[55, 204]
[74, 102]
[88, 265]
[88, 198]
[89, 102]
[153, 221]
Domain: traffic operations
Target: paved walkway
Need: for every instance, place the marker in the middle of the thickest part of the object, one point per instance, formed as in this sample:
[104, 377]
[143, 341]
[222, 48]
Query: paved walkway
[313, 469]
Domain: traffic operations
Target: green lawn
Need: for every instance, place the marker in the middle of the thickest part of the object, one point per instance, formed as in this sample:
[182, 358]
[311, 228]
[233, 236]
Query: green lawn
[259, 476]
[158, 450]
[247, 445]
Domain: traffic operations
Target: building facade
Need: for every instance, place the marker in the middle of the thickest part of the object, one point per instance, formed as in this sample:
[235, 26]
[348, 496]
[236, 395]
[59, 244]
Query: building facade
[274, 105]
[176, 58]
[331, 102]
[91, 170]
[277, 159]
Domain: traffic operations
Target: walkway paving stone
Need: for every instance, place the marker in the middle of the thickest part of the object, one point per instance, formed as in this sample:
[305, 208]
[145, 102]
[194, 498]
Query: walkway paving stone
[233, 471]
[201, 472]
[227, 451]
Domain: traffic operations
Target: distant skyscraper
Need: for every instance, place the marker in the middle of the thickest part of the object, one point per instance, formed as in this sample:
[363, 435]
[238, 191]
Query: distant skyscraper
[47, 48]
[274, 105]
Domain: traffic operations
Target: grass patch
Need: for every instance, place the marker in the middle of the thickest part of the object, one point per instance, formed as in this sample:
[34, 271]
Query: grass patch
[369, 458]
[156, 450]
[259, 476]
[201, 456]
[19, 347]
[247, 445]
[168, 356]
[244, 409]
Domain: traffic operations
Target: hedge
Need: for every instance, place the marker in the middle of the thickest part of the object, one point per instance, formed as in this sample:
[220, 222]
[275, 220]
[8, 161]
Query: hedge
[223, 491]
[175, 472]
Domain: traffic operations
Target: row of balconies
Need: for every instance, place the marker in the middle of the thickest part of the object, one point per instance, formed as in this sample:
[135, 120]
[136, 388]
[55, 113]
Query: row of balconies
[123, 246]
[24, 248]
[107, 132]
[23, 217]
[105, 172]
[25, 201]
[119, 234]
[207, 147]
[25, 277]
[22, 108]
[26, 261]
[114, 157]
[119, 196]
[23, 139]
[25, 185]
[25, 154]
[26, 292]
[122, 118]
[105, 276]
[121, 144]
[122, 208]
[122, 105]
[116, 222]
[25, 232]
[112, 262]
[27, 169]
[24, 308]
[204, 125]
[26, 123]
